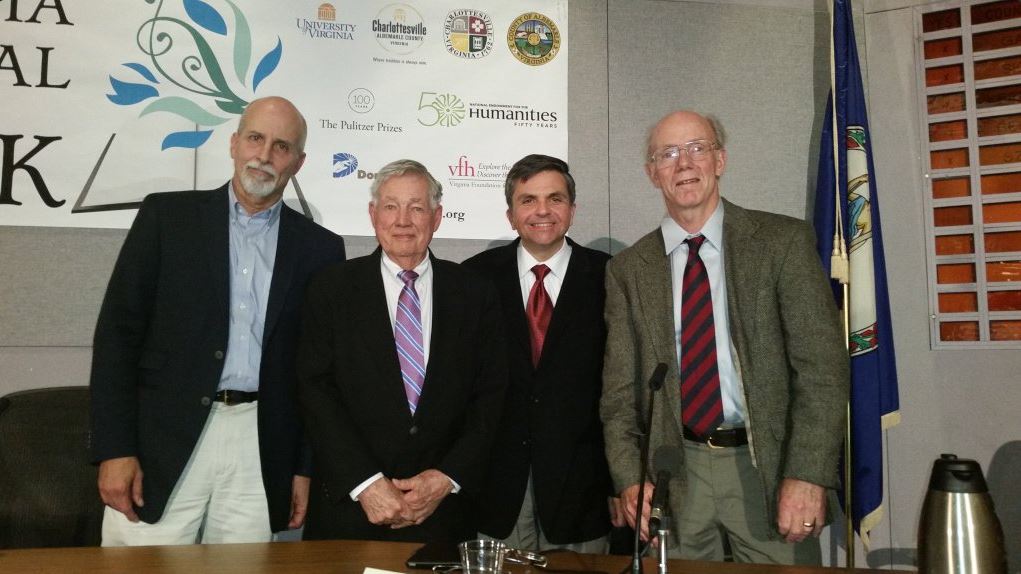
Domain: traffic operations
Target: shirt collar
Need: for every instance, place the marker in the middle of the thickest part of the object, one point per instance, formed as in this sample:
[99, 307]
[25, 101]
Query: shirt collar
[394, 268]
[674, 235]
[557, 263]
[237, 210]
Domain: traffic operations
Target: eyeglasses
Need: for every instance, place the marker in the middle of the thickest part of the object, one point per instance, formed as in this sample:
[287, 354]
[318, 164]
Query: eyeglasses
[697, 149]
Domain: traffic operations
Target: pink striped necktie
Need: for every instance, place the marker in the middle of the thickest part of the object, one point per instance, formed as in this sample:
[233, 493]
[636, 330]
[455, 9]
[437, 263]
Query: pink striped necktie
[408, 336]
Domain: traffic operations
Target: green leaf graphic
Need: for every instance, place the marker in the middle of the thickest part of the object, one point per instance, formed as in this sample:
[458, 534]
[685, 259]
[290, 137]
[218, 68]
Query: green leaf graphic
[185, 108]
[242, 45]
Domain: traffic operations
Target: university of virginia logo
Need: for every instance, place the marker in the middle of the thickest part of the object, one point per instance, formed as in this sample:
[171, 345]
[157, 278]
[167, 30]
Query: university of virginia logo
[181, 75]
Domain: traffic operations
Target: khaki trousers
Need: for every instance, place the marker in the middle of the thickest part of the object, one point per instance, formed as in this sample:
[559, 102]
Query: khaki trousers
[725, 501]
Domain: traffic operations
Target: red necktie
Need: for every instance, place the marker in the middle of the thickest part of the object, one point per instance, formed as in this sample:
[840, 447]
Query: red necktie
[701, 402]
[539, 310]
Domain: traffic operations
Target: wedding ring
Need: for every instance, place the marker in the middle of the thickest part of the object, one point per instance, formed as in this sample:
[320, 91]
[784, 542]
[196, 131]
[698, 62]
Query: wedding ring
[808, 524]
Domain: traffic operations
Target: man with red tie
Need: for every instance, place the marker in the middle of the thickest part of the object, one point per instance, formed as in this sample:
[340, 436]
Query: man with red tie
[735, 302]
[548, 485]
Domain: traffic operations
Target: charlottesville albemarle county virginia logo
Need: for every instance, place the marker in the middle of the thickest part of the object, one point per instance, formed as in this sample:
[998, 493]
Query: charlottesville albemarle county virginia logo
[435, 109]
[468, 34]
[399, 28]
[181, 74]
[344, 164]
[533, 38]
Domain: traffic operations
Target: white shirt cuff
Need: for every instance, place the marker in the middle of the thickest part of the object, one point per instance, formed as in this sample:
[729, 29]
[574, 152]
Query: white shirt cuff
[361, 487]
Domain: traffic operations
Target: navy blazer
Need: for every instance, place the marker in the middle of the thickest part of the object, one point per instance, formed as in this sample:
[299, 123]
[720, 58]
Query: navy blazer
[162, 336]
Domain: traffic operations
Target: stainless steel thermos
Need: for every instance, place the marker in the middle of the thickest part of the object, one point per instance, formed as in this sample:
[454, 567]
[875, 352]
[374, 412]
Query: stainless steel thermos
[959, 532]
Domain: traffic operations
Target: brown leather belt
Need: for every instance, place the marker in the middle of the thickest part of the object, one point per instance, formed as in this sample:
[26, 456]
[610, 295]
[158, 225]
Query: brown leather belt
[231, 397]
[720, 438]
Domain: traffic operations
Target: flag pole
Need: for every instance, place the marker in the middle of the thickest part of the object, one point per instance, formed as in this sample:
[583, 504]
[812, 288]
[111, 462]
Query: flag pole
[839, 270]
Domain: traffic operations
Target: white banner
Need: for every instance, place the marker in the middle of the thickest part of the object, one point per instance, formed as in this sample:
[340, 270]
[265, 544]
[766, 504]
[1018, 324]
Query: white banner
[105, 102]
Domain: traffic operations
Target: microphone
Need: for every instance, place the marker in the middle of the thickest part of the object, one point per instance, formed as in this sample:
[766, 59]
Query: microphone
[655, 384]
[668, 457]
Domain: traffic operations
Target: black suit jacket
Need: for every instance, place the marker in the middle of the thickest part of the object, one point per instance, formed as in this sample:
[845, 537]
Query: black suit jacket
[356, 410]
[550, 421]
[162, 335]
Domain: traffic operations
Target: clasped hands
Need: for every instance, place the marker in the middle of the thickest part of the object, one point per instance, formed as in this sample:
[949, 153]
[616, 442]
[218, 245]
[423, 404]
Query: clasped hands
[402, 502]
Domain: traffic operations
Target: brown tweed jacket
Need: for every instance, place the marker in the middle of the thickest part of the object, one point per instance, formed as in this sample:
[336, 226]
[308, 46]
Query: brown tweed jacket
[787, 343]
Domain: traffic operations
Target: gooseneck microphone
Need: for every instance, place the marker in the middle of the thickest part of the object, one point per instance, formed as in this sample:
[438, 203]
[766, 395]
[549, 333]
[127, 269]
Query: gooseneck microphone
[668, 457]
[655, 384]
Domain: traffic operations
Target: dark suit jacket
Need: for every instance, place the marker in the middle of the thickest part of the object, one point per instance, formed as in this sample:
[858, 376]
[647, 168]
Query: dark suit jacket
[356, 410]
[162, 336]
[787, 344]
[550, 422]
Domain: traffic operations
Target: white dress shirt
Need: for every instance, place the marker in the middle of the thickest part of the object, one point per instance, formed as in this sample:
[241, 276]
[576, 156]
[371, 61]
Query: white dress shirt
[711, 252]
[554, 279]
[393, 285]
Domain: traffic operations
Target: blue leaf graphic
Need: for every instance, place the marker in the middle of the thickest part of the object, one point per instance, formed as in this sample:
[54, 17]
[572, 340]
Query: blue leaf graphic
[206, 16]
[143, 71]
[190, 140]
[127, 93]
[267, 65]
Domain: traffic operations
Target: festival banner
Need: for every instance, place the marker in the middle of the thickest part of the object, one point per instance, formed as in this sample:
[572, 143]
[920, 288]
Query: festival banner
[106, 102]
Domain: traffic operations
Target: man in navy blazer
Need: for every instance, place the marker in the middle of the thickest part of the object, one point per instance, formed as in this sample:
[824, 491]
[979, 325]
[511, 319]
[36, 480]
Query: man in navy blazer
[401, 375]
[547, 483]
[195, 423]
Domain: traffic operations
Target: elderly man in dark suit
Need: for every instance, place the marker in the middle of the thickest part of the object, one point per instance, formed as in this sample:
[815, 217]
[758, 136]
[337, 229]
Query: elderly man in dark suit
[195, 422]
[401, 374]
[548, 485]
[735, 302]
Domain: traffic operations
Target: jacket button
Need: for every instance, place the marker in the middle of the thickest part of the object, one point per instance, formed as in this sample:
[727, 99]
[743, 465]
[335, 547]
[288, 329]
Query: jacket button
[218, 355]
[413, 430]
[206, 401]
[535, 400]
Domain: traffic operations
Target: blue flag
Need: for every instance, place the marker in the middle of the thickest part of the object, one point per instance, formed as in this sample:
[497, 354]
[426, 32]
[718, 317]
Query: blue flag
[846, 200]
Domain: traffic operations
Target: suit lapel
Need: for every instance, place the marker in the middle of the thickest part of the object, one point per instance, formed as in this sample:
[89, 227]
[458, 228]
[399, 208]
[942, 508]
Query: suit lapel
[446, 319]
[372, 316]
[742, 265]
[213, 218]
[509, 283]
[568, 302]
[655, 295]
[284, 265]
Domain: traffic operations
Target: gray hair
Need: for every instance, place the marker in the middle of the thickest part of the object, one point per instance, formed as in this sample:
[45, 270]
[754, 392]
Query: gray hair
[407, 167]
[714, 123]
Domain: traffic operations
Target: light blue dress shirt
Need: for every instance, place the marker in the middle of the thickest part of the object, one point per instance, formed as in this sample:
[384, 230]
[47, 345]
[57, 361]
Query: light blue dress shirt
[253, 252]
[734, 409]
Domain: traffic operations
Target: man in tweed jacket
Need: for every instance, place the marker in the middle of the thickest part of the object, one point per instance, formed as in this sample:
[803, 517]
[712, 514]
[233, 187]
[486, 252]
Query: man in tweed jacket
[756, 484]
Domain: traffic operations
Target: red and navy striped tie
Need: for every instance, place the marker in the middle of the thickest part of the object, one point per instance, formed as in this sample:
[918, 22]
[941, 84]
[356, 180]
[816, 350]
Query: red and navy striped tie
[701, 402]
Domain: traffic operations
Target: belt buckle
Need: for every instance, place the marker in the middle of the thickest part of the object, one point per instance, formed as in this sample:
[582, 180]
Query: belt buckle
[226, 398]
[709, 441]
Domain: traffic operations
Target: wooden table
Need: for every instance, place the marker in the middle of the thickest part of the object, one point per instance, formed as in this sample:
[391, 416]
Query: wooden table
[340, 557]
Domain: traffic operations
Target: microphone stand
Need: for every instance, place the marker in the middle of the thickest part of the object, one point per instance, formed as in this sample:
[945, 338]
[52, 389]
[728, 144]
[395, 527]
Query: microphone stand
[655, 383]
[662, 533]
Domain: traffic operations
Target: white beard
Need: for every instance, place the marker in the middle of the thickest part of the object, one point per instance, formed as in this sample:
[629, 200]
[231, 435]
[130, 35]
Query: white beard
[257, 186]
